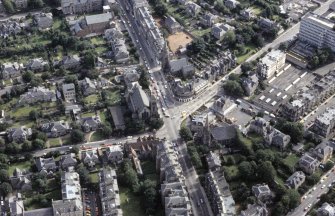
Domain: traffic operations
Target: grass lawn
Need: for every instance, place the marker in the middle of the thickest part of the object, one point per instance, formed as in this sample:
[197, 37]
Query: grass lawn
[89, 114]
[291, 160]
[97, 41]
[256, 10]
[20, 165]
[130, 204]
[92, 99]
[114, 96]
[97, 136]
[66, 140]
[244, 57]
[103, 116]
[23, 111]
[149, 170]
[255, 138]
[200, 32]
[95, 176]
[26, 122]
[231, 170]
[54, 142]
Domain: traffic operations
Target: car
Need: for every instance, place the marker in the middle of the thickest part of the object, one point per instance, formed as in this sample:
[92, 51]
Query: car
[304, 197]
[165, 86]
[306, 208]
[309, 205]
[137, 41]
[198, 203]
[314, 188]
[330, 185]
[323, 186]
[201, 200]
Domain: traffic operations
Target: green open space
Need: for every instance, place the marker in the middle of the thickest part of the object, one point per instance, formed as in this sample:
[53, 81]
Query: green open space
[21, 165]
[149, 170]
[291, 160]
[88, 114]
[250, 50]
[130, 204]
[92, 99]
[200, 32]
[256, 10]
[94, 176]
[54, 142]
[97, 136]
[113, 96]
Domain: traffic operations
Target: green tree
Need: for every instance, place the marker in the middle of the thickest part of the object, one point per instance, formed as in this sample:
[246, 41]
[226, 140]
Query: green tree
[88, 60]
[291, 199]
[144, 81]
[233, 88]
[230, 37]
[38, 144]
[77, 136]
[266, 171]
[106, 130]
[156, 123]
[84, 174]
[6, 188]
[34, 115]
[34, 4]
[294, 129]
[4, 177]
[160, 9]
[129, 176]
[246, 67]
[27, 76]
[150, 196]
[185, 133]
[247, 169]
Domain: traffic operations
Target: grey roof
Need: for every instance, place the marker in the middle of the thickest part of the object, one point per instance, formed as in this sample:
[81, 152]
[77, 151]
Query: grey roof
[98, 18]
[225, 132]
[177, 64]
[45, 163]
[39, 212]
[55, 126]
[260, 190]
[138, 97]
[68, 87]
[117, 115]
[68, 160]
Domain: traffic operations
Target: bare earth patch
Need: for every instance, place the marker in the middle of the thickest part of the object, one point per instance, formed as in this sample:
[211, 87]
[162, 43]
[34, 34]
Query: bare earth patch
[178, 40]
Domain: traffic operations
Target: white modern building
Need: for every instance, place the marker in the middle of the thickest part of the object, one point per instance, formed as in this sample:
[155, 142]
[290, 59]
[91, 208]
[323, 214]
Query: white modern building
[317, 31]
[271, 63]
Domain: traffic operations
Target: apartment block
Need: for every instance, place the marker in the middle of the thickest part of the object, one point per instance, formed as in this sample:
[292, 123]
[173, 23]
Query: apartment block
[271, 63]
[324, 124]
[81, 6]
[310, 97]
[317, 31]
[218, 193]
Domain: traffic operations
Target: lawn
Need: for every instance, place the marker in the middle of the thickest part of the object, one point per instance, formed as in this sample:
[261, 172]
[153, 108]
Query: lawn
[97, 41]
[23, 111]
[89, 114]
[95, 177]
[130, 204]
[91, 99]
[231, 170]
[103, 116]
[250, 50]
[256, 10]
[291, 160]
[200, 32]
[21, 165]
[54, 142]
[97, 136]
[113, 96]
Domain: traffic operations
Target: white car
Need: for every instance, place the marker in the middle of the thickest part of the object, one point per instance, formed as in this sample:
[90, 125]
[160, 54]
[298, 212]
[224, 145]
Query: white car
[323, 186]
[314, 188]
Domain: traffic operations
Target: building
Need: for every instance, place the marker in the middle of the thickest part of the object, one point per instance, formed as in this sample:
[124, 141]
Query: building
[173, 190]
[192, 9]
[81, 6]
[218, 193]
[295, 180]
[43, 20]
[90, 123]
[213, 161]
[117, 116]
[255, 210]
[247, 13]
[56, 129]
[151, 33]
[21, 180]
[116, 40]
[67, 207]
[10, 70]
[114, 154]
[68, 160]
[141, 105]
[224, 135]
[326, 210]
[222, 65]
[69, 92]
[231, 4]
[16, 206]
[89, 157]
[91, 25]
[323, 152]
[250, 84]
[220, 29]
[262, 192]
[37, 64]
[317, 31]
[11, 27]
[87, 86]
[181, 67]
[267, 25]
[208, 19]
[109, 192]
[308, 163]
[19, 135]
[172, 25]
[309, 97]
[70, 62]
[46, 165]
[271, 64]
[222, 107]
[37, 95]
[324, 124]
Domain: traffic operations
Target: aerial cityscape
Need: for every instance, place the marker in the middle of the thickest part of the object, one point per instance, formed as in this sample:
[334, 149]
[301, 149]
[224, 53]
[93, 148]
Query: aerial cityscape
[167, 107]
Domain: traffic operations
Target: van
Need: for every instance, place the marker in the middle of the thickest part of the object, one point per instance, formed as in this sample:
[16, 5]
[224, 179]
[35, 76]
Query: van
[238, 101]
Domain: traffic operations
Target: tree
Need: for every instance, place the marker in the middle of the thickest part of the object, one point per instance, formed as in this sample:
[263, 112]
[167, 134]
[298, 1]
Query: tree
[84, 174]
[6, 188]
[46, 75]
[160, 9]
[266, 171]
[247, 169]
[150, 196]
[34, 115]
[258, 40]
[196, 46]
[185, 133]
[233, 88]
[291, 199]
[246, 67]
[129, 175]
[329, 165]
[39, 182]
[106, 130]
[156, 123]
[4, 177]
[38, 144]
[230, 37]
[27, 76]
[34, 4]
[8, 5]
[294, 129]
[77, 136]
[144, 81]
[88, 60]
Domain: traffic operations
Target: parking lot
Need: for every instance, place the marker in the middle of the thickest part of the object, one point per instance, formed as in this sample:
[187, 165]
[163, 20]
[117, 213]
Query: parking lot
[281, 88]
